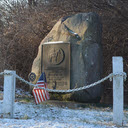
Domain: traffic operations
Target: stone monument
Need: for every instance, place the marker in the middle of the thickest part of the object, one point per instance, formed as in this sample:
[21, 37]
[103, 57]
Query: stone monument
[74, 61]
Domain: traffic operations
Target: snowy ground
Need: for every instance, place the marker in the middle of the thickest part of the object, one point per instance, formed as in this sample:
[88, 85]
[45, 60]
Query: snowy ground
[29, 115]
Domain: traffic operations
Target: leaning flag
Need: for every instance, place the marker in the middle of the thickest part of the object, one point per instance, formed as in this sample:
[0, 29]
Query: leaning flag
[41, 95]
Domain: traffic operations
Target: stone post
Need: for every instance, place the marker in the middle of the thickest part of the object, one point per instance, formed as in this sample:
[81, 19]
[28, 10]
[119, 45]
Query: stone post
[9, 94]
[118, 91]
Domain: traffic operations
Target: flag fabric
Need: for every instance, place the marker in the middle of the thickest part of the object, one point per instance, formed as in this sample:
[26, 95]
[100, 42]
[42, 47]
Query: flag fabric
[41, 95]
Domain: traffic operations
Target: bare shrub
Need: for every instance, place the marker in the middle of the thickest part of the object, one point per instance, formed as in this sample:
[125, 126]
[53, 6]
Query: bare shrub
[23, 26]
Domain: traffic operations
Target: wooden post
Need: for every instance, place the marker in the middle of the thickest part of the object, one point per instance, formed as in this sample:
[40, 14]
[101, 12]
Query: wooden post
[9, 94]
[118, 91]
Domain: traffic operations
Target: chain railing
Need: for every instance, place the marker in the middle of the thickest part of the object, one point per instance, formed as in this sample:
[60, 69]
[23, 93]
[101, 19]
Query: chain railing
[110, 76]
[117, 76]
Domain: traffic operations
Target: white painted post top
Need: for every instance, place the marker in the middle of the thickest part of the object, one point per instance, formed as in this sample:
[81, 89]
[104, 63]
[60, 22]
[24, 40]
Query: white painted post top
[117, 64]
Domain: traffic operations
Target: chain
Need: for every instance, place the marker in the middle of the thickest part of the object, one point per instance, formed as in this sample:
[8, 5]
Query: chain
[110, 76]
[121, 74]
[2, 73]
[20, 78]
[81, 88]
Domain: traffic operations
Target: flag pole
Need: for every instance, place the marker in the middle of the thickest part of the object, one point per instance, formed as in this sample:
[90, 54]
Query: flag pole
[43, 67]
[42, 61]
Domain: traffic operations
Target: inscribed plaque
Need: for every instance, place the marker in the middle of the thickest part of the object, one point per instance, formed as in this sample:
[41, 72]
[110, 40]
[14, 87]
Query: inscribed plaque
[56, 64]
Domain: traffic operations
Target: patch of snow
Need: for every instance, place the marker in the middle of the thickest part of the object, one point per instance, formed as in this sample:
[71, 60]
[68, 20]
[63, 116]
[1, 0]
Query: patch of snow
[29, 115]
[21, 92]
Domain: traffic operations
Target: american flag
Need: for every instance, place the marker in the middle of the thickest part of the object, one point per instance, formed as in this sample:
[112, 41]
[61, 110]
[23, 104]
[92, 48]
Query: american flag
[41, 95]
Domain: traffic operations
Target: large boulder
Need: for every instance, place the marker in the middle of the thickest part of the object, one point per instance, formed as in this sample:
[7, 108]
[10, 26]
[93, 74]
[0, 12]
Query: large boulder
[84, 32]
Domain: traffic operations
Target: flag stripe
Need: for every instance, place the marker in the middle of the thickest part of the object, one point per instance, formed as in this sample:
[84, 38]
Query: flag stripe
[35, 96]
[41, 86]
[42, 91]
[42, 98]
[47, 92]
[40, 81]
[43, 94]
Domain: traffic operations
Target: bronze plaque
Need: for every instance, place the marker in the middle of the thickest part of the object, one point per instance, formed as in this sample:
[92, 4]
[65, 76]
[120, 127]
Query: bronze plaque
[56, 64]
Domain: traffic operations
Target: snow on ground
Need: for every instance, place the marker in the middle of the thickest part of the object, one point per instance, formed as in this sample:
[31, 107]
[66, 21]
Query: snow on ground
[29, 115]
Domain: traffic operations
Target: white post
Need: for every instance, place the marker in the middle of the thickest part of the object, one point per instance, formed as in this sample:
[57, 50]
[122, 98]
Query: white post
[118, 91]
[9, 94]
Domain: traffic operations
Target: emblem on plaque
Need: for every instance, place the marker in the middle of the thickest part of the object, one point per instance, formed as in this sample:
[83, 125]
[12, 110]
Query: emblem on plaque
[56, 56]
[32, 76]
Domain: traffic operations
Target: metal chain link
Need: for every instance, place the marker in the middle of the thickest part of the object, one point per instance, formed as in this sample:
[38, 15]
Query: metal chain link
[110, 76]
[2, 73]
[119, 74]
[20, 78]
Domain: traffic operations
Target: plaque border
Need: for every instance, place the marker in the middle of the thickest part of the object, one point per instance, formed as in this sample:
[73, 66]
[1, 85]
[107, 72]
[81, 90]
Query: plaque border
[69, 48]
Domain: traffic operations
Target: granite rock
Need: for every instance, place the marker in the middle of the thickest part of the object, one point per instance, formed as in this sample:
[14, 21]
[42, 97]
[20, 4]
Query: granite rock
[84, 32]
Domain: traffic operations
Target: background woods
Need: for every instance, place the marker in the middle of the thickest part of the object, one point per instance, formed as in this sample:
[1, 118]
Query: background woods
[23, 24]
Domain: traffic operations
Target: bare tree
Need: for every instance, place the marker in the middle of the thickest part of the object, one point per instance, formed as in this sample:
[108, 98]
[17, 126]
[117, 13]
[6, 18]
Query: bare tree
[32, 2]
[24, 27]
